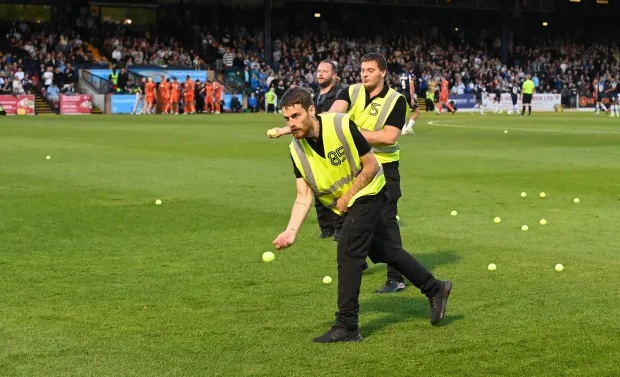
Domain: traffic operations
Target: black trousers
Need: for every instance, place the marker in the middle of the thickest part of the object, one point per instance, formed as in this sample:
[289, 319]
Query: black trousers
[364, 234]
[327, 219]
[390, 210]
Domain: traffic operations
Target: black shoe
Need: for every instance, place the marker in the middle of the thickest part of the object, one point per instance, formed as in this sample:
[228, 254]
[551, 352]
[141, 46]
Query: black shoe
[391, 286]
[439, 301]
[339, 334]
[326, 233]
[336, 234]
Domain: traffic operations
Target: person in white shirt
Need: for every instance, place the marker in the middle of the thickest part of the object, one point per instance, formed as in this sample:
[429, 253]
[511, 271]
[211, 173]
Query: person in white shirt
[18, 88]
[48, 77]
[19, 74]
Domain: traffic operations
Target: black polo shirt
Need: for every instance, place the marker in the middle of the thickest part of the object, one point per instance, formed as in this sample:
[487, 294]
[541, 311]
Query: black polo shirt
[323, 102]
[396, 118]
[361, 144]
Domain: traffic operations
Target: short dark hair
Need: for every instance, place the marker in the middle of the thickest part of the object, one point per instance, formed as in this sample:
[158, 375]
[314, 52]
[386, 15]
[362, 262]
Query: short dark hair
[297, 96]
[331, 64]
[377, 58]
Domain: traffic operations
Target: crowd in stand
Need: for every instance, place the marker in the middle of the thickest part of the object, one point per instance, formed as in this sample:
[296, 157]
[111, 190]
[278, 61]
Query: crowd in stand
[47, 56]
[39, 57]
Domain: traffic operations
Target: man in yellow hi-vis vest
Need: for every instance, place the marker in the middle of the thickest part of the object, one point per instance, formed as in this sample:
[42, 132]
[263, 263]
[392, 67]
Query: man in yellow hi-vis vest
[381, 113]
[335, 163]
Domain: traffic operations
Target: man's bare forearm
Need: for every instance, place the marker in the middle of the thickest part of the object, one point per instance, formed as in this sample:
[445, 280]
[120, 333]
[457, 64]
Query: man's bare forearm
[362, 180]
[299, 212]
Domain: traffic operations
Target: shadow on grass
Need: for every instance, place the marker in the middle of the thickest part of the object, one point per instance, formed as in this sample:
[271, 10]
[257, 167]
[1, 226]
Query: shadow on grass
[397, 308]
[430, 260]
[401, 306]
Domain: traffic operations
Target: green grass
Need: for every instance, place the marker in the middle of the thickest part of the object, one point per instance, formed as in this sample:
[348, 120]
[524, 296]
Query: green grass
[97, 280]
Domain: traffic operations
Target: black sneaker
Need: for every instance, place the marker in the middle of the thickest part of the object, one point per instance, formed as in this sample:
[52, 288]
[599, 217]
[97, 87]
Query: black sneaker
[339, 334]
[391, 286]
[336, 234]
[326, 233]
[439, 301]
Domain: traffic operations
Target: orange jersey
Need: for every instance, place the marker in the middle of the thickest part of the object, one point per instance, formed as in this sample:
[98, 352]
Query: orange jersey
[189, 88]
[209, 88]
[150, 88]
[218, 91]
[444, 86]
[175, 89]
[164, 89]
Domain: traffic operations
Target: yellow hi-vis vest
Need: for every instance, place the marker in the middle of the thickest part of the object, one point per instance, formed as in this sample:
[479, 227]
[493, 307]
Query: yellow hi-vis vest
[373, 117]
[332, 176]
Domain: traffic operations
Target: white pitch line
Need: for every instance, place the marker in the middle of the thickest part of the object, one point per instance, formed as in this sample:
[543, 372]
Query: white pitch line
[436, 123]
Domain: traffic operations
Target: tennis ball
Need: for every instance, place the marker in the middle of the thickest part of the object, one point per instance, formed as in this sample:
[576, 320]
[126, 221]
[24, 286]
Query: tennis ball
[397, 218]
[497, 220]
[543, 222]
[505, 131]
[523, 194]
[524, 227]
[272, 132]
[327, 280]
[48, 157]
[158, 202]
[453, 213]
[576, 200]
[559, 267]
[492, 267]
[268, 256]
[543, 195]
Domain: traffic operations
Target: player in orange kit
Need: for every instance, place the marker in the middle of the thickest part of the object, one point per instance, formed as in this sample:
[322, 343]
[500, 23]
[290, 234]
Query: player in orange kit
[151, 96]
[175, 96]
[217, 89]
[189, 96]
[443, 96]
[164, 94]
[209, 106]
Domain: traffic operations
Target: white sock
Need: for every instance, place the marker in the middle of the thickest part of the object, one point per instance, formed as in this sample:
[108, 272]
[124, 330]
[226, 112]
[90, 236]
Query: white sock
[410, 124]
[603, 107]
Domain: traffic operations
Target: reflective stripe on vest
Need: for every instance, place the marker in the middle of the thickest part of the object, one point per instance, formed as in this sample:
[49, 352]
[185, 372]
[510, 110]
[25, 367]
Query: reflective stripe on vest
[305, 164]
[339, 122]
[386, 110]
[357, 88]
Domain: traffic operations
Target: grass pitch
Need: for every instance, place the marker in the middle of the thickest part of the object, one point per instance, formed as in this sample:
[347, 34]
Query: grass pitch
[97, 280]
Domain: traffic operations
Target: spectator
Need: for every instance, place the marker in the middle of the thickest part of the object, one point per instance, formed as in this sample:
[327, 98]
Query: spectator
[48, 77]
[18, 88]
[53, 93]
[235, 104]
[253, 103]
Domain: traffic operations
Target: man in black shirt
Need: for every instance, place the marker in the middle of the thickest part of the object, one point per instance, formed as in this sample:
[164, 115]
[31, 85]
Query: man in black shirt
[360, 197]
[326, 77]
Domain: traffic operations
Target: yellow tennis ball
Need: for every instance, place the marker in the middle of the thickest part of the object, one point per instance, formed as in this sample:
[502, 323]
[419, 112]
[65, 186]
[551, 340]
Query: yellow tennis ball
[268, 256]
